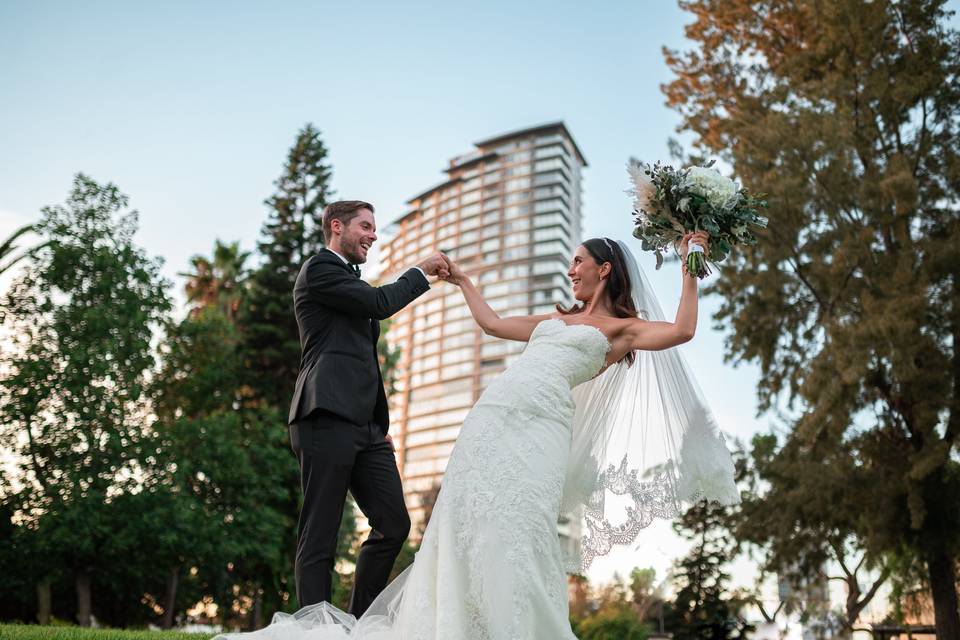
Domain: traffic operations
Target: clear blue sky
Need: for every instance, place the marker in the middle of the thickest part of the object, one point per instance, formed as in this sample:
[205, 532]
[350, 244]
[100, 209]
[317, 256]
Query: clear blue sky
[190, 108]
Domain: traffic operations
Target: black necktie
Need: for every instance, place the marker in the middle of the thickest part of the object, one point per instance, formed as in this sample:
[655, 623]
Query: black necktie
[356, 270]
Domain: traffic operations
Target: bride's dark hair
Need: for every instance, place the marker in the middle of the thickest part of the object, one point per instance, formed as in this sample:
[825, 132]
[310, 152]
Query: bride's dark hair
[618, 289]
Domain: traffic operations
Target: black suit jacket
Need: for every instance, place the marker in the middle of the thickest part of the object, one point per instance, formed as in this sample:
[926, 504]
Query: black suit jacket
[339, 315]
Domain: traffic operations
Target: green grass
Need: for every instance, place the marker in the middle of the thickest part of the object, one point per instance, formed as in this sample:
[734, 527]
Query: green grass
[36, 632]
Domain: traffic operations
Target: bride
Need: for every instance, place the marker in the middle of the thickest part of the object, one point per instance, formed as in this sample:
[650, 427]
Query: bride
[553, 434]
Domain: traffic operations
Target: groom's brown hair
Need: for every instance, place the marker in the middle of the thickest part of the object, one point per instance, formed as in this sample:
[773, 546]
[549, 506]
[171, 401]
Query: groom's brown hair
[344, 211]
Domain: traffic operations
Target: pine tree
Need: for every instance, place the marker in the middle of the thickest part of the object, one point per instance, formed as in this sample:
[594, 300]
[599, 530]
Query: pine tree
[293, 233]
[847, 114]
[270, 344]
[702, 609]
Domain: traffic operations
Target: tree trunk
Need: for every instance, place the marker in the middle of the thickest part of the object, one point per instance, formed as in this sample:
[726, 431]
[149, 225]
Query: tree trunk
[256, 616]
[82, 582]
[170, 603]
[943, 583]
[44, 601]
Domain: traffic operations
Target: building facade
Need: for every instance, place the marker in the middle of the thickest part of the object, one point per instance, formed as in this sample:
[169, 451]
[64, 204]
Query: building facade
[509, 213]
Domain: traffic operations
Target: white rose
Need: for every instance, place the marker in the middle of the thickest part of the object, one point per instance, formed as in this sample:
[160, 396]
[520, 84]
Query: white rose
[719, 191]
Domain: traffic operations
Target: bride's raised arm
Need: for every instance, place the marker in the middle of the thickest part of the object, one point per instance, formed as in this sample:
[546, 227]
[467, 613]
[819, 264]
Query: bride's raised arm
[512, 328]
[656, 335]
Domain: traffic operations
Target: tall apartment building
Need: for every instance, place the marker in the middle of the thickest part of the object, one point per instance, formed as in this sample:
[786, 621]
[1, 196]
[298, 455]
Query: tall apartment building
[509, 212]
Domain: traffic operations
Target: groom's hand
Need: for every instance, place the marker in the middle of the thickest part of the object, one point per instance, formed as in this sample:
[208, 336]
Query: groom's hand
[435, 265]
[456, 274]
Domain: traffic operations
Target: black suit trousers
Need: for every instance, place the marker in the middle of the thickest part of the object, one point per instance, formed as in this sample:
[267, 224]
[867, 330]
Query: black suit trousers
[336, 456]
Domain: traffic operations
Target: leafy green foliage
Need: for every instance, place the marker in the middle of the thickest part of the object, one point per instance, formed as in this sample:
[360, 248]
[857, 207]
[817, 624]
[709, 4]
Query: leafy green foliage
[224, 471]
[389, 358]
[218, 282]
[703, 608]
[82, 317]
[612, 624]
[138, 489]
[848, 114]
[612, 610]
[817, 523]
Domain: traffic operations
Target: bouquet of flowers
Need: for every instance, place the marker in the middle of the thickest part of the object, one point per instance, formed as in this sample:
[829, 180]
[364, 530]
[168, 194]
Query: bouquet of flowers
[669, 203]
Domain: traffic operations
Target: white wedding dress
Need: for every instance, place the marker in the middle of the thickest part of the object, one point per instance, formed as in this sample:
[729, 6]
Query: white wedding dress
[490, 565]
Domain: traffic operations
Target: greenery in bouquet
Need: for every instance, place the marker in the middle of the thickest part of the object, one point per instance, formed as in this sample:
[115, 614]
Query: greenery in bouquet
[669, 203]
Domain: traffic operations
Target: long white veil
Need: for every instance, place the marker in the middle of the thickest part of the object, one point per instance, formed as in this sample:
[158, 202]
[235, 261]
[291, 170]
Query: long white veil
[644, 442]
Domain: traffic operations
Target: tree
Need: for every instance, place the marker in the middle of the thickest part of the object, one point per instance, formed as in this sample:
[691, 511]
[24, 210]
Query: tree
[237, 468]
[270, 346]
[8, 246]
[194, 395]
[291, 235]
[847, 113]
[702, 608]
[221, 472]
[909, 598]
[579, 588]
[809, 525]
[613, 615]
[643, 590]
[81, 320]
[612, 624]
[389, 358]
[217, 282]
[25, 599]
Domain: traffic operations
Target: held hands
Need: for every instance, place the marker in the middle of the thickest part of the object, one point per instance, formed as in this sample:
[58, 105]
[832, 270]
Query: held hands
[456, 275]
[436, 265]
[441, 266]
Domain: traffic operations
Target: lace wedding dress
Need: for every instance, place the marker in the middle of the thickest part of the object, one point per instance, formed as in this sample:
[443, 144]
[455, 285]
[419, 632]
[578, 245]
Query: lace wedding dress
[490, 565]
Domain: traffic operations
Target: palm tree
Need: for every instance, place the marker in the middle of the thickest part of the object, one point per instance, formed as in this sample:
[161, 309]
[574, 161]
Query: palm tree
[218, 282]
[8, 246]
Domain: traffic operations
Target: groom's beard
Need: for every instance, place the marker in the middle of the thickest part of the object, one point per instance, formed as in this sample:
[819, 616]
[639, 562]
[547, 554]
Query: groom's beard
[351, 251]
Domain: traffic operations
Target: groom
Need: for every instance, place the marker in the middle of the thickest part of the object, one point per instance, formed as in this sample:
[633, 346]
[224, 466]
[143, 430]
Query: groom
[338, 417]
